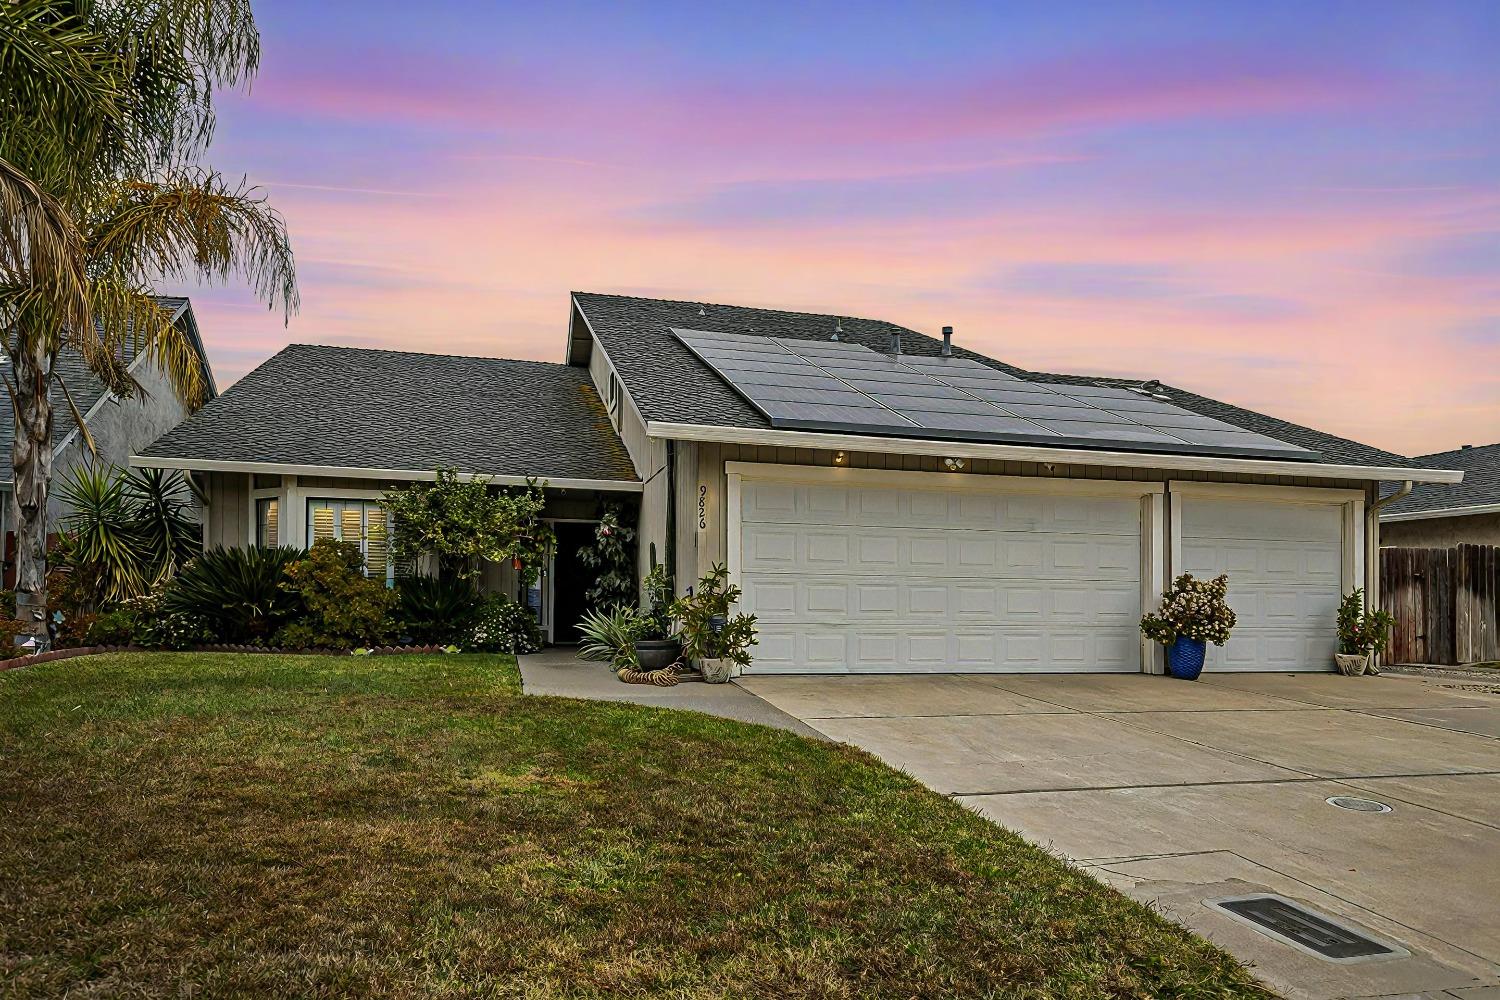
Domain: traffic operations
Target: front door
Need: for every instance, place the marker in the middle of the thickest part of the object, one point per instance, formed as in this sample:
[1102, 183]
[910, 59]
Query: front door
[570, 578]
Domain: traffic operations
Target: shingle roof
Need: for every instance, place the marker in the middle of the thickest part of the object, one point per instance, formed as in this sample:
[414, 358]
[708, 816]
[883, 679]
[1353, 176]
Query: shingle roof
[87, 390]
[670, 385]
[375, 409]
[1481, 485]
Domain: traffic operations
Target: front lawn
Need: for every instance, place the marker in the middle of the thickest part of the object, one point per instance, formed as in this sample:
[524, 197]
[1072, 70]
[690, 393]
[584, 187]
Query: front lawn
[219, 825]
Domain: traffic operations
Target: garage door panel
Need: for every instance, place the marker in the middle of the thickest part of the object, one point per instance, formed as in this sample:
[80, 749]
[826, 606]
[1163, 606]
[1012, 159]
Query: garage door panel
[874, 579]
[923, 601]
[1285, 566]
[878, 507]
[937, 552]
[804, 648]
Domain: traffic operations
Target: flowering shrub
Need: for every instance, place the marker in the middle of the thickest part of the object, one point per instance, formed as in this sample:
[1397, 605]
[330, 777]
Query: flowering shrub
[505, 626]
[344, 608]
[1192, 609]
[1361, 633]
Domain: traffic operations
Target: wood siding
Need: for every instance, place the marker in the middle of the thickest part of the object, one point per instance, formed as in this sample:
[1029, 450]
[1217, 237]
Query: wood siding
[647, 454]
[226, 520]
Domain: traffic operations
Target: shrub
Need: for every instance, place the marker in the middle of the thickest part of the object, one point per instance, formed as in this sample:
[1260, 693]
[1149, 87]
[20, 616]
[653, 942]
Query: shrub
[708, 631]
[460, 523]
[612, 558]
[505, 626]
[113, 627]
[657, 616]
[1192, 609]
[127, 532]
[344, 608]
[237, 592]
[1361, 633]
[437, 610]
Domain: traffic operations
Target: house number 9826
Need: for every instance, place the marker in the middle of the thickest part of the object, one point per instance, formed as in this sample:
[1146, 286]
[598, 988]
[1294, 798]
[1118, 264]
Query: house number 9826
[702, 507]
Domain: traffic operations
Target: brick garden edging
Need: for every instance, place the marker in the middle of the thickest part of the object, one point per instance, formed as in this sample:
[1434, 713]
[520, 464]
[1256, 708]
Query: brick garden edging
[67, 654]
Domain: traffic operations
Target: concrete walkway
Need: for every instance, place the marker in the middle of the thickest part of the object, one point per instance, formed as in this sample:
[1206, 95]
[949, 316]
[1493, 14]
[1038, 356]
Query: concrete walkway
[558, 671]
[1178, 793]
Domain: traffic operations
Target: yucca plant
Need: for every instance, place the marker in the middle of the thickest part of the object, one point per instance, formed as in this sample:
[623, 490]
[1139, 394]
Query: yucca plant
[104, 532]
[242, 593]
[610, 635]
[169, 536]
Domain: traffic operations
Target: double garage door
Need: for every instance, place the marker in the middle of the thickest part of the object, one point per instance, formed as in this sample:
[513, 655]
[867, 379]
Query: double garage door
[859, 572]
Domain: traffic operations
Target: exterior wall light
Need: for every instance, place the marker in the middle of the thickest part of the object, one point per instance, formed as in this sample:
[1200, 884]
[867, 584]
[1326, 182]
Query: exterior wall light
[953, 464]
[839, 458]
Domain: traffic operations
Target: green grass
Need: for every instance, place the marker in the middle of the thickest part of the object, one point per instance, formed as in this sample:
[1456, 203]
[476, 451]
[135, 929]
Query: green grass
[217, 825]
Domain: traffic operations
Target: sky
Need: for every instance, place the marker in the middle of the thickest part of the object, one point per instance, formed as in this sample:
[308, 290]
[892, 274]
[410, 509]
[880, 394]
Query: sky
[1293, 207]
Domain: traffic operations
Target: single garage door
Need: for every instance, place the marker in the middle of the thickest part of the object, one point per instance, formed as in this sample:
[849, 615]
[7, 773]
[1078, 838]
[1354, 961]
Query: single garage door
[851, 578]
[1285, 565]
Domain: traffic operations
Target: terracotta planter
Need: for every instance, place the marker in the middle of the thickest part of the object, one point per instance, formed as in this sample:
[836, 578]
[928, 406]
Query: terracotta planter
[1352, 664]
[716, 671]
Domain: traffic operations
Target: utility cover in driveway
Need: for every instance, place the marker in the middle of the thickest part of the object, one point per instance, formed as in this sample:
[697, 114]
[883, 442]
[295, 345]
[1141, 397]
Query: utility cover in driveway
[1298, 926]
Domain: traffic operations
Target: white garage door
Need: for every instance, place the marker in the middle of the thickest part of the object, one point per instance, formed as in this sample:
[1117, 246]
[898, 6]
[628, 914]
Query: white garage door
[1285, 566]
[856, 578]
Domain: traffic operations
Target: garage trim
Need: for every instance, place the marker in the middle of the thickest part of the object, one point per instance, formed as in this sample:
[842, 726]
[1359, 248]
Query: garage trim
[1152, 496]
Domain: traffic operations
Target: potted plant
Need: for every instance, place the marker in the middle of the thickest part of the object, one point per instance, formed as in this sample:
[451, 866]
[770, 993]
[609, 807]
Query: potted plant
[1361, 635]
[1193, 613]
[655, 647]
[711, 637]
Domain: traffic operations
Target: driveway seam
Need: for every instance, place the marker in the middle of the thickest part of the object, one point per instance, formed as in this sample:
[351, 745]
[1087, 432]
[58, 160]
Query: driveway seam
[1247, 781]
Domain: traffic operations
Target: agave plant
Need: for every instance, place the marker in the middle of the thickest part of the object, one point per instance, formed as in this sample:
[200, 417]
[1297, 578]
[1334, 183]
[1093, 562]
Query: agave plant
[611, 634]
[240, 592]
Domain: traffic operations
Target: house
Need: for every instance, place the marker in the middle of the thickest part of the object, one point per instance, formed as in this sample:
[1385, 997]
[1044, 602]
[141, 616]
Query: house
[887, 500]
[120, 427]
[1441, 515]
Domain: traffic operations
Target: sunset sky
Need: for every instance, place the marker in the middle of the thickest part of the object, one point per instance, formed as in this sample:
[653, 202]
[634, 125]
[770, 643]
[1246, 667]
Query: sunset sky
[1292, 206]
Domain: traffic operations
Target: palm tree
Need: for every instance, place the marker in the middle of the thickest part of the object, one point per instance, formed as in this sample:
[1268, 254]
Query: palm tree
[105, 108]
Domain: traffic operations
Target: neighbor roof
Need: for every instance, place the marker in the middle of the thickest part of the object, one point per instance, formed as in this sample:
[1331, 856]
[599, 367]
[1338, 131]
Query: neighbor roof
[87, 390]
[1480, 488]
[347, 407]
[669, 384]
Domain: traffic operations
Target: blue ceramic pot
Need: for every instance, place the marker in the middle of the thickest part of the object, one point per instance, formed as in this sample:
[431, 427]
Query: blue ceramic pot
[1185, 658]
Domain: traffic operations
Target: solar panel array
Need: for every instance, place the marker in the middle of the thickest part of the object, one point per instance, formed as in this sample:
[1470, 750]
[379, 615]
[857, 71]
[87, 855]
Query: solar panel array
[840, 386]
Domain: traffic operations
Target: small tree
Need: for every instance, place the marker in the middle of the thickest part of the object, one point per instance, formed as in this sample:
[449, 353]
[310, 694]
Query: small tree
[1362, 632]
[460, 522]
[612, 558]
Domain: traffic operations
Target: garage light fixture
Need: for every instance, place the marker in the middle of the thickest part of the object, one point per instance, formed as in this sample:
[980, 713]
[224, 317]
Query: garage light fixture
[839, 458]
[954, 464]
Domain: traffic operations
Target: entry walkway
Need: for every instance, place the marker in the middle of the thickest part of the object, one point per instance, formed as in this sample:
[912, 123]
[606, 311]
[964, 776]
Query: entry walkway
[559, 671]
[1178, 793]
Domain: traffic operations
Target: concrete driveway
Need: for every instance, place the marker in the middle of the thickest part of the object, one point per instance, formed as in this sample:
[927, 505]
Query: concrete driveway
[1177, 793]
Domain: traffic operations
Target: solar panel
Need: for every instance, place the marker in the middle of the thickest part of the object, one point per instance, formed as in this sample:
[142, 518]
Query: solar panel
[842, 386]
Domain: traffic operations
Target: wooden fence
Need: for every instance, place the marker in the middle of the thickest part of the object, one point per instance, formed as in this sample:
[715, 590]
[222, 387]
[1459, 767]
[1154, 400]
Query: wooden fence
[1446, 603]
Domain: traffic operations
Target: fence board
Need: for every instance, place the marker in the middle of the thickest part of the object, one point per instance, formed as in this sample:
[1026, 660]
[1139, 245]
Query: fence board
[1446, 603]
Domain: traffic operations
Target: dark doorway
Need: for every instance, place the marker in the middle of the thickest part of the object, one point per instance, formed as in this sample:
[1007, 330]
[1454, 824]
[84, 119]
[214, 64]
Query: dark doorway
[570, 579]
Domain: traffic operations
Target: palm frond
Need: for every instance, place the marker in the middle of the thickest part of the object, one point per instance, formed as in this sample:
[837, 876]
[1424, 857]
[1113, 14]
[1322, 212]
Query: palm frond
[42, 253]
[104, 531]
[196, 225]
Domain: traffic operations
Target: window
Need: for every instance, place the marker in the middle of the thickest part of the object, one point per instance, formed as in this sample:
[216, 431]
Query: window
[363, 522]
[267, 523]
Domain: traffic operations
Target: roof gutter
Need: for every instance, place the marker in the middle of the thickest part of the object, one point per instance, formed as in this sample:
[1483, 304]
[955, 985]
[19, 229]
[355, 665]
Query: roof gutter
[355, 472]
[1422, 515]
[1029, 453]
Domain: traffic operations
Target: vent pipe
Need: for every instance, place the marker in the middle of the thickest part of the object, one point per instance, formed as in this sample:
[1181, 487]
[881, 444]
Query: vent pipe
[895, 342]
[947, 341]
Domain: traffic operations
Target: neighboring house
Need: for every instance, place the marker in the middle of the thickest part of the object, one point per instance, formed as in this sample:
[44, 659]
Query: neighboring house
[886, 506]
[120, 427]
[1442, 515]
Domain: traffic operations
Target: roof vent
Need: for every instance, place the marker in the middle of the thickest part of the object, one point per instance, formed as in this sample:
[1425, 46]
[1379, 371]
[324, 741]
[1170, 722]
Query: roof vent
[895, 342]
[702, 311]
[947, 341]
[838, 328]
[1465, 447]
[1153, 388]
